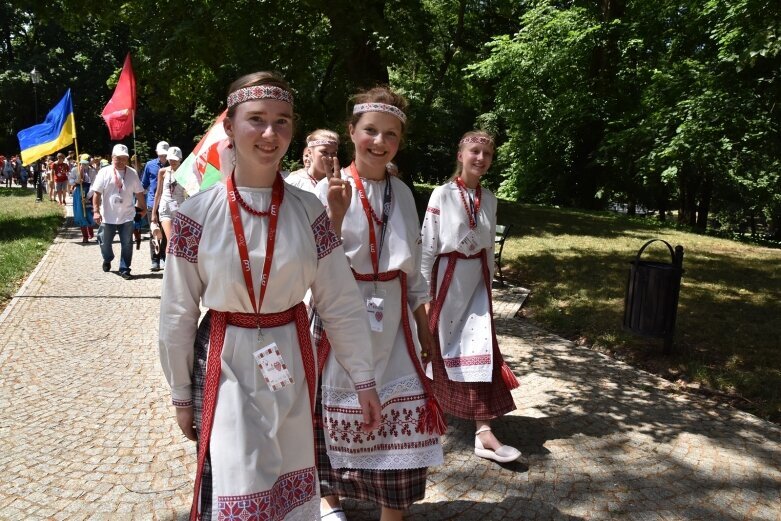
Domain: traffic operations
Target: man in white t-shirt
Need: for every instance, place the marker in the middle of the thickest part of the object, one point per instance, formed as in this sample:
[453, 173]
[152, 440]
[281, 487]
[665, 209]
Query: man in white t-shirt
[116, 191]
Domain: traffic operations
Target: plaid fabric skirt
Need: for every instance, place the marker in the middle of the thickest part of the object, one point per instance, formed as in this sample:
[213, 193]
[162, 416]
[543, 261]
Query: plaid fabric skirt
[396, 489]
[471, 400]
[199, 378]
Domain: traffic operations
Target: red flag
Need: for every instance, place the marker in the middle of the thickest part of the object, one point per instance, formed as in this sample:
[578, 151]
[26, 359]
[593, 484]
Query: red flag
[120, 108]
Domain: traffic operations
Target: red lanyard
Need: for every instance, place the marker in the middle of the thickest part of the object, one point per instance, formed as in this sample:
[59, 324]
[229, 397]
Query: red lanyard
[118, 181]
[473, 208]
[372, 217]
[277, 193]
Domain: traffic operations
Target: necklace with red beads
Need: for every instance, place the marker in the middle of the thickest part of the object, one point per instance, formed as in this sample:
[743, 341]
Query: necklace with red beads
[245, 205]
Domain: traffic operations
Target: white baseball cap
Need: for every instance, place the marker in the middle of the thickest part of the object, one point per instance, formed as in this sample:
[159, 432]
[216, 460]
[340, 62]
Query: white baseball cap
[120, 150]
[174, 154]
[162, 148]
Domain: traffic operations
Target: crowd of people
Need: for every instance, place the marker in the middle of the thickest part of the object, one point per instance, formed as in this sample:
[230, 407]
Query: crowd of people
[339, 331]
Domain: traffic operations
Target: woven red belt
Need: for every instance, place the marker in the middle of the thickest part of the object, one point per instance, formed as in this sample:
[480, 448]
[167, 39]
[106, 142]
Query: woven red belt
[220, 320]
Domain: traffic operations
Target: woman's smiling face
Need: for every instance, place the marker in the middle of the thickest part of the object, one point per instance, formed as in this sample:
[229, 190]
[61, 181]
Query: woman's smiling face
[376, 136]
[261, 131]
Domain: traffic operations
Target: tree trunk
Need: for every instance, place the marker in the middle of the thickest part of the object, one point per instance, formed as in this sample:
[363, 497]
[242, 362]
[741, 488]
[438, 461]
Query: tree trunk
[362, 62]
[703, 209]
[448, 56]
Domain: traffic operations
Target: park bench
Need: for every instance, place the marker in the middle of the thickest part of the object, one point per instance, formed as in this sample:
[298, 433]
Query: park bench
[501, 235]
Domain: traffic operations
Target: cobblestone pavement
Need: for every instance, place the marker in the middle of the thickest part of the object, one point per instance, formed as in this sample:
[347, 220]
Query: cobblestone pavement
[87, 433]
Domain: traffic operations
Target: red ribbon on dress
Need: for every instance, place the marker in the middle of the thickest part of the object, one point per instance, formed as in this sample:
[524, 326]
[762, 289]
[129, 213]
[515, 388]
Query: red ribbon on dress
[219, 322]
[277, 194]
[370, 216]
[510, 380]
[472, 213]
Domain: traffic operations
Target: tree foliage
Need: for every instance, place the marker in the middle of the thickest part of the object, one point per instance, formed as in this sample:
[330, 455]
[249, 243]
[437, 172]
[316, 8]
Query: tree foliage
[670, 104]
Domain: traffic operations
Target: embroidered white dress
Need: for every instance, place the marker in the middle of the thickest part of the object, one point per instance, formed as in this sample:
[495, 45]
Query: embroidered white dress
[465, 320]
[399, 443]
[261, 446]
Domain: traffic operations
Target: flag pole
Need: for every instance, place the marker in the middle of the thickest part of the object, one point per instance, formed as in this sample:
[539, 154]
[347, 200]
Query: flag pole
[79, 176]
[135, 152]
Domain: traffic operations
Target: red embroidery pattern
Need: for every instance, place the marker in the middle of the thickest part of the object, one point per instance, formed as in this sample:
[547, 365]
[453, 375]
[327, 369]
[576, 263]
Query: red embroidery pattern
[185, 237]
[433, 210]
[365, 385]
[325, 238]
[439, 299]
[462, 361]
[389, 447]
[393, 422]
[289, 492]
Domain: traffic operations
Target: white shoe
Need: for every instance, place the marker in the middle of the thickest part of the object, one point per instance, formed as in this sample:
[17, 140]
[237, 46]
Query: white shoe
[503, 454]
[337, 514]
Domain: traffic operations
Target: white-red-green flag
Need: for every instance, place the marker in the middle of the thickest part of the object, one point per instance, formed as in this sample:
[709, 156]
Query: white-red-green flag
[209, 161]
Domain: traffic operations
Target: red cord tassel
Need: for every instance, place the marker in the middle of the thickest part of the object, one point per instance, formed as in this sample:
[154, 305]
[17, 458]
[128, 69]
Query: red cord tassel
[509, 378]
[432, 420]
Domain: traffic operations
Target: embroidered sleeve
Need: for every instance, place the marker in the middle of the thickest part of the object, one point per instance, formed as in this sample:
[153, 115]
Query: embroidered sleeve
[325, 237]
[185, 238]
[430, 239]
[179, 309]
[340, 305]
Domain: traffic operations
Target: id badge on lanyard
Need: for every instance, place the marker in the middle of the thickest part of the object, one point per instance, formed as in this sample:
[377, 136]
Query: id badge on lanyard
[469, 243]
[271, 364]
[375, 307]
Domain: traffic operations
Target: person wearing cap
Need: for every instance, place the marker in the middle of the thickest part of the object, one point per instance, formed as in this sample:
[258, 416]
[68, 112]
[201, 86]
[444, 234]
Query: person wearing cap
[114, 189]
[149, 182]
[79, 179]
[170, 194]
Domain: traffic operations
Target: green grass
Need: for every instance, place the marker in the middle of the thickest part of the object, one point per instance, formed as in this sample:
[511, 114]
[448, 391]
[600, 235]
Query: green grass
[728, 332]
[27, 229]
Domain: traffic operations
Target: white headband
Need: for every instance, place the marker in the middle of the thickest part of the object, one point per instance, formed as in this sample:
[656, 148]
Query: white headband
[318, 142]
[476, 139]
[259, 92]
[380, 107]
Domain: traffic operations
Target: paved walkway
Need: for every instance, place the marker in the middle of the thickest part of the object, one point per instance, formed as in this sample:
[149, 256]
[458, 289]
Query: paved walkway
[86, 431]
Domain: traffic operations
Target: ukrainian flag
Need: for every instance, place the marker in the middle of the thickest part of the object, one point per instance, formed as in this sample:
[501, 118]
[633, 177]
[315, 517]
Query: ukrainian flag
[57, 131]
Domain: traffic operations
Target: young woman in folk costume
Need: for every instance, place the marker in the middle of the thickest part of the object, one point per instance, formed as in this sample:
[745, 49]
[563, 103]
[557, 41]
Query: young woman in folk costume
[81, 177]
[322, 146]
[381, 237]
[471, 379]
[248, 249]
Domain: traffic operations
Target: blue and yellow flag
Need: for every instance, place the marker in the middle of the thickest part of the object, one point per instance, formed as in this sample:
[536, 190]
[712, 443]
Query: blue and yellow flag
[57, 131]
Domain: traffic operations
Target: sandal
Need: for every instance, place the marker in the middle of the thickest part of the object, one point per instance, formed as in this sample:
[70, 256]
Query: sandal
[503, 454]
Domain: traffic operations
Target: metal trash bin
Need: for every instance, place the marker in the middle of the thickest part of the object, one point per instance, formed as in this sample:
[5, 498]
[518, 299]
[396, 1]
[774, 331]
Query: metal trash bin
[651, 301]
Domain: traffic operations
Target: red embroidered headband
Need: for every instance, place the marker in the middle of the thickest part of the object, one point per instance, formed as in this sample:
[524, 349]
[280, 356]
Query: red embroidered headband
[318, 142]
[360, 108]
[259, 92]
[476, 139]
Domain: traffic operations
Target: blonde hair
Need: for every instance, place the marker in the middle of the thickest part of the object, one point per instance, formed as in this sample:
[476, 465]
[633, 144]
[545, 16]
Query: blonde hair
[322, 133]
[471, 133]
